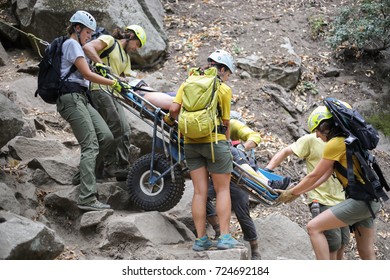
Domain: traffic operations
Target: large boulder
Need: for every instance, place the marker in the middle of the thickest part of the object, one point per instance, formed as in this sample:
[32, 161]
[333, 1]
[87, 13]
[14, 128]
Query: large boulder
[23, 239]
[11, 120]
[8, 202]
[281, 238]
[48, 19]
[3, 55]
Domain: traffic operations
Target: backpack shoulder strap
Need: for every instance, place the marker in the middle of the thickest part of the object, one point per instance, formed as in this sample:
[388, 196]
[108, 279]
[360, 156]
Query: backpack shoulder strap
[347, 172]
[379, 172]
[368, 175]
[213, 92]
[71, 70]
[107, 52]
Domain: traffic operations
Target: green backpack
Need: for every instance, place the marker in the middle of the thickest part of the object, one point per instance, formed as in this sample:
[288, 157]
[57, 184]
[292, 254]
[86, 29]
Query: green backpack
[199, 111]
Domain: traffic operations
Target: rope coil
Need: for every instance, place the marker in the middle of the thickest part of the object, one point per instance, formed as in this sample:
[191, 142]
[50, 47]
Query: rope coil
[30, 35]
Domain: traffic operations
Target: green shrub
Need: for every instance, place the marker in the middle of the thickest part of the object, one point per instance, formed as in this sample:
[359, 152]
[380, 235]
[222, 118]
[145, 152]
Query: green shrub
[307, 87]
[317, 26]
[362, 28]
[381, 122]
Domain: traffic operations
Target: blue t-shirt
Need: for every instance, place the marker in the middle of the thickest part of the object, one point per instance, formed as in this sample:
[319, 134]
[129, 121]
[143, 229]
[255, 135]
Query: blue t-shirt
[72, 50]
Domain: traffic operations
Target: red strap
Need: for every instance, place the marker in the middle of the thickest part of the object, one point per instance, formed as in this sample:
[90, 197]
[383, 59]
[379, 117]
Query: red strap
[236, 142]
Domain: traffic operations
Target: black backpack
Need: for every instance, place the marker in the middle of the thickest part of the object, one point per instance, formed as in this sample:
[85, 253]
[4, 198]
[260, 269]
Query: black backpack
[361, 137]
[50, 84]
[98, 32]
[353, 124]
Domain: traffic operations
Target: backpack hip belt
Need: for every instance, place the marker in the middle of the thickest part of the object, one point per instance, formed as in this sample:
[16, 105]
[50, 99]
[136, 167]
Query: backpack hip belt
[221, 129]
[71, 87]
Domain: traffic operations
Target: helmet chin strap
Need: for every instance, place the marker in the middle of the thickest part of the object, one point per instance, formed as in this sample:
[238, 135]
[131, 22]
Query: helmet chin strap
[128, 38]
[77, 34]
[125, 46]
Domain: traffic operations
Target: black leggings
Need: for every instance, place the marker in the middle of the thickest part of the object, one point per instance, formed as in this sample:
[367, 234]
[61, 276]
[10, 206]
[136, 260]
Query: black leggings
[240, 206]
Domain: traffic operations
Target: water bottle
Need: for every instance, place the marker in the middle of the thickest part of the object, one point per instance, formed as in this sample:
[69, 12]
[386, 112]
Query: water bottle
[315, 208]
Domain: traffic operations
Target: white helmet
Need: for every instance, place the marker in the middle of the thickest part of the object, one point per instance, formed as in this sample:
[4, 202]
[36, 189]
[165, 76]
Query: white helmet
[223, 57]
[84, 18]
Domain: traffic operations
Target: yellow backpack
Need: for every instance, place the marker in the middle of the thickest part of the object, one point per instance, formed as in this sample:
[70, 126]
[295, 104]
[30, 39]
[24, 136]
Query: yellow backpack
[199, 111]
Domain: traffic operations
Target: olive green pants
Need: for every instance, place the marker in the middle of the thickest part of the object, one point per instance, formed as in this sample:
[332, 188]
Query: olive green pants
[114, 115]
[93, 135]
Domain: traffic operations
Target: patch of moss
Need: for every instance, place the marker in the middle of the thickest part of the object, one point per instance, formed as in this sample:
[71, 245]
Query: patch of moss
[381, 122]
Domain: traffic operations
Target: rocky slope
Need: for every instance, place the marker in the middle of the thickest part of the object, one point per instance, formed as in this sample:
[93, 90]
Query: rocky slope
[259, 29]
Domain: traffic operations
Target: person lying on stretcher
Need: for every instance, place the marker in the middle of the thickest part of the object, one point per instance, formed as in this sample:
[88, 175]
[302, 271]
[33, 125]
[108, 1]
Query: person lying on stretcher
[244, 141]
[158, 98]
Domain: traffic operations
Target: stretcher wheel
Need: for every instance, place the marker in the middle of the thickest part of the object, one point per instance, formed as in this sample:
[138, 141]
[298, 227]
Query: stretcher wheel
[161, 196]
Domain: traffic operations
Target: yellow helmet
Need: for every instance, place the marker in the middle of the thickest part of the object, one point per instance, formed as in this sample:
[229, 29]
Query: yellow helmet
[345, 104]
[139, 32]
[319, 114]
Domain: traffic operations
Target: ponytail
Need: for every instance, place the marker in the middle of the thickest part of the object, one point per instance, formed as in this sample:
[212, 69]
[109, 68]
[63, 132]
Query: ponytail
[329, 129]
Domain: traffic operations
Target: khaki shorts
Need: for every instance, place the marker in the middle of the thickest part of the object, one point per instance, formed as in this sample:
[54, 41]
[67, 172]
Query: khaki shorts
[199, 155]
[336, 237]
[355, 212]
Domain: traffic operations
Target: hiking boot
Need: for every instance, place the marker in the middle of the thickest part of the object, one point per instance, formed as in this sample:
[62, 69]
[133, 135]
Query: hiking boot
[202, 244]
[280, 184]
[94, 206]
[253, 203]
[122, 172]
[109, 170]
[256, 255]
[114, 170]
[217, 231]
[100, 177]
[226, 241]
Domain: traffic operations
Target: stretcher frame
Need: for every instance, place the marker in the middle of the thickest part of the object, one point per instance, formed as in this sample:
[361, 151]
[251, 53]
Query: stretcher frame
[165, 137]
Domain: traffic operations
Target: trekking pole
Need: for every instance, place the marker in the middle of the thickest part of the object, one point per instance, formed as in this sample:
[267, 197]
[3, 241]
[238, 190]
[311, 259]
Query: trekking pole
[30, 35]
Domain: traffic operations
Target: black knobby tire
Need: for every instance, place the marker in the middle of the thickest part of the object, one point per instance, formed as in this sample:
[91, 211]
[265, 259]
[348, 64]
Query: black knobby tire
[163, 195]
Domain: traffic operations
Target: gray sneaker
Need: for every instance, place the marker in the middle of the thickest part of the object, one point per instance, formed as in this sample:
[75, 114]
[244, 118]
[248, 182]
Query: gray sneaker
[94, 206]
[280, 184]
